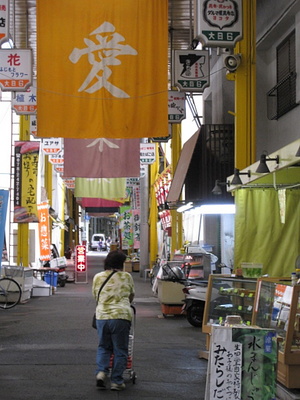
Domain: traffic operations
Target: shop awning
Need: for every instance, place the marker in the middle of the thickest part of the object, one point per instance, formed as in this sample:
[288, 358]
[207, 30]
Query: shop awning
[182, 168]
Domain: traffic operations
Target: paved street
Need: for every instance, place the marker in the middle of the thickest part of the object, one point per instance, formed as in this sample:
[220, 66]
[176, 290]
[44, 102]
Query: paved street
[48, 347]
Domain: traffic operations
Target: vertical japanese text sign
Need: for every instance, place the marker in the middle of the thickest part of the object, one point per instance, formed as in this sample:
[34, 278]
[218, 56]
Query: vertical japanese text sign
[176, 107]
[191, 70]
[80, 258]
[4, 21]
[218, 23]
[44, 232]
[126, 227]
[80, 264]
[25, 185]
[15, 69]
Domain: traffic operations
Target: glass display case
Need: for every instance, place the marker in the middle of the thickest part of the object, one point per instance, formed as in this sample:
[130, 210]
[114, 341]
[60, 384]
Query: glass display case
[277, 306]
[228, 295]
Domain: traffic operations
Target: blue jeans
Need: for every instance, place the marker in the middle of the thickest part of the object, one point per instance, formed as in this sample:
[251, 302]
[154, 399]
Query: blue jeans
[113, 339]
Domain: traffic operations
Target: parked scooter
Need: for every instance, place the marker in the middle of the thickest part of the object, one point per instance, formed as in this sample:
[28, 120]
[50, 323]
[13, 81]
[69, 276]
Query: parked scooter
[194, 302]
[193, 289]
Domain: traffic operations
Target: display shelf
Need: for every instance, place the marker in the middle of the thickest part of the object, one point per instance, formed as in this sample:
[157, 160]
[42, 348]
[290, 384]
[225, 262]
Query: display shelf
[277, 306]
[228, 295]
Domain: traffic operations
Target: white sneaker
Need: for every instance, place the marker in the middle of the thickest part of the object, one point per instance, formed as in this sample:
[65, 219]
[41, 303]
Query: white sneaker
[101, 380]
[117, 386]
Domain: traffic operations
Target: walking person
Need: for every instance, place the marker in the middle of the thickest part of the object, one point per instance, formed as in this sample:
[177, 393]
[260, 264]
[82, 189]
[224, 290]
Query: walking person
[113, 319]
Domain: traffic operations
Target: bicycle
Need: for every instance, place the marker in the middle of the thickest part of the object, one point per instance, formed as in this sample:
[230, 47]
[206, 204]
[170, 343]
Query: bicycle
[10, 293]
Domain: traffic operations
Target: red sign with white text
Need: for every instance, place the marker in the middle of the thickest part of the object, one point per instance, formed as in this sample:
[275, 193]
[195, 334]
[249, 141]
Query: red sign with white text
[80, 258]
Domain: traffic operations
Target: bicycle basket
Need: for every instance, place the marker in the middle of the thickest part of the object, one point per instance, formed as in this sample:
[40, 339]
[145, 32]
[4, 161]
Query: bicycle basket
[12, 272]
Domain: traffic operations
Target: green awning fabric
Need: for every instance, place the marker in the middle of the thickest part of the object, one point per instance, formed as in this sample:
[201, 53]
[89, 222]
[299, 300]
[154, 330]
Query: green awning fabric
[267, 229]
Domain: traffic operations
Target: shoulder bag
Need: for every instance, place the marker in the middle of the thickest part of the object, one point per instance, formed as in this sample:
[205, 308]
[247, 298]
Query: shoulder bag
[94, 325]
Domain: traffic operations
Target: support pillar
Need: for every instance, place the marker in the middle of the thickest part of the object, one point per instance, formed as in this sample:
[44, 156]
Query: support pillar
[177, 239]
[23, 228]
[245, 90]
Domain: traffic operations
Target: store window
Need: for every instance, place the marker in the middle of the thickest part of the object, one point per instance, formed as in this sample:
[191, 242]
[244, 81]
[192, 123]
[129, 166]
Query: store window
[282, 97]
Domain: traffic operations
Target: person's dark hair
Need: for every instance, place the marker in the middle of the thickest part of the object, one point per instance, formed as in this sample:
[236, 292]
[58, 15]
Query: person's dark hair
[115, 260]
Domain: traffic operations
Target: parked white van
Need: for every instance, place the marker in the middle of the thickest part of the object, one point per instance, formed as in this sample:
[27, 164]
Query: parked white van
[94, 245]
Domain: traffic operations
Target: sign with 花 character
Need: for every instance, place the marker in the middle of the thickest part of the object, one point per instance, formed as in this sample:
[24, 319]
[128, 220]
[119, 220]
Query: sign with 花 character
[191, 70]
[15, 69]
[25, 103]
[4, 21]
[176, 106]
[218, 23]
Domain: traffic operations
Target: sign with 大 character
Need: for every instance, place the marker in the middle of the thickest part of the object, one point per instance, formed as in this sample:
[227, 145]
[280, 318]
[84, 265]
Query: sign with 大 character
[191, 70]
[15, 70]
[218, 22]
[25, 103]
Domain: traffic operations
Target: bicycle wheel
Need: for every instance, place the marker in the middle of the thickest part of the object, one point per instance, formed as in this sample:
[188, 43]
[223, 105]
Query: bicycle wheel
[10, 293]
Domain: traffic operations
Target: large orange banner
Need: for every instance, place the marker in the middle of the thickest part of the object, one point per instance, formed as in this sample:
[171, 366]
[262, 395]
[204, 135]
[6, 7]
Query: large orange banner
[102, 68]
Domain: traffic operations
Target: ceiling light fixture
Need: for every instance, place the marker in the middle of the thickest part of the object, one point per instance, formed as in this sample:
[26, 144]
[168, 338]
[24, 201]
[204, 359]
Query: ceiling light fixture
[185, 207]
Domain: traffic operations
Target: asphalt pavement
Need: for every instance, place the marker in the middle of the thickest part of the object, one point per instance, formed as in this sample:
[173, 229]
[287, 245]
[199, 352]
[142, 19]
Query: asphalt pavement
[48, 348]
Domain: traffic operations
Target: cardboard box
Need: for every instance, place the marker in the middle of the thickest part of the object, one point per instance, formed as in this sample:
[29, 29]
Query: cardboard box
[127, 266]
[41, 291]
[170, 292]
[135, 266]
